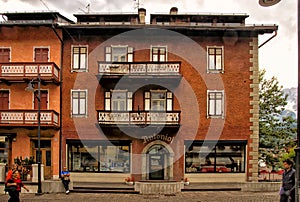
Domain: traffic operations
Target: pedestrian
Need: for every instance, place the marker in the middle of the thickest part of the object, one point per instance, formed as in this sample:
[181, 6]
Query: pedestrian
[13, 186]
[65, 178]
[10, 172]
[287, 190]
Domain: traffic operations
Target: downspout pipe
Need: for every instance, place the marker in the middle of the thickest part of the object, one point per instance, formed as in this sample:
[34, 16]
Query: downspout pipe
[60, 96]
[275, 34]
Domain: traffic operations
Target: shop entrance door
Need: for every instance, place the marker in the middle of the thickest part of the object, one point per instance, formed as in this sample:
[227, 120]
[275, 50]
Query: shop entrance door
[45, 156]
[156, 168]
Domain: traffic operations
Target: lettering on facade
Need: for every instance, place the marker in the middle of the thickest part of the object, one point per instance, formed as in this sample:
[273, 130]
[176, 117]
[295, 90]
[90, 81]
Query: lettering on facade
[165, 138]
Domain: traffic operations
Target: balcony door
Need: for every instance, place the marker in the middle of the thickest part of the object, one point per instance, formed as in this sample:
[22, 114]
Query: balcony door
[4, 99]
[158, 100]
[41, 54]
[44, 100]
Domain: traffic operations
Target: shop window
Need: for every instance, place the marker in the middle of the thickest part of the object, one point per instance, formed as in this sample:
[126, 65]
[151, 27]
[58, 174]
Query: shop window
[215, 59]
[5, 149]
[4, 55]
[79, 58]
[79, 102]
[99, 156]
[215, 157]
[215, 104]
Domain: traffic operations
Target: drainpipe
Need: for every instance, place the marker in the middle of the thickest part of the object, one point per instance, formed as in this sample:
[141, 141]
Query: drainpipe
[275, 34]
[60, 96]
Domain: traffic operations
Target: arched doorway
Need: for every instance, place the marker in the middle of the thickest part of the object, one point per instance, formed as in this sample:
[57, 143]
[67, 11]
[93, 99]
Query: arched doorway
[157, 162]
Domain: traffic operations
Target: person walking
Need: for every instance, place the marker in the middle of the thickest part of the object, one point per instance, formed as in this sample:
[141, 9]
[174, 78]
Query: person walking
[65, 178]
[14, 185]
[287, 190]
[9, 175]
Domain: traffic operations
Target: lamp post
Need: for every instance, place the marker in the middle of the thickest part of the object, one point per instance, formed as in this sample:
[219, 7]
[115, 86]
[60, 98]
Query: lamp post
[297, 150]
[30, 88]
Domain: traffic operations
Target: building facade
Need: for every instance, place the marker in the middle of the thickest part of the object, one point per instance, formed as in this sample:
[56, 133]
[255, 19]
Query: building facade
[167, 100]
[173, 99]
[30, 51]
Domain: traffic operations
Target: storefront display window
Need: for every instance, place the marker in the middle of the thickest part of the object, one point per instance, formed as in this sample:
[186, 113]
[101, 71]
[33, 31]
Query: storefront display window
[215, 157]
[99, 156]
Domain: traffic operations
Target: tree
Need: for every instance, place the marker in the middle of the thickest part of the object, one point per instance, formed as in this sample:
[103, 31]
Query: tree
[276, 133]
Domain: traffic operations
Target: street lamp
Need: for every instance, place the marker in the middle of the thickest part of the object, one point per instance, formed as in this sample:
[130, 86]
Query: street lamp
[30, 88]
[297, 150]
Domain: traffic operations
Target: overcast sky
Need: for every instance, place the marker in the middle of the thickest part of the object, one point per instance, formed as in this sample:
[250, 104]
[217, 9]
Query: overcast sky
[278, 56]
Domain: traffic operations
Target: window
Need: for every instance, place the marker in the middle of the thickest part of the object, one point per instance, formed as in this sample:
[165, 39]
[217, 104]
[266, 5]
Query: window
[215, 104]
[158, 54]
[118, 100]
[5, 149]
[158, 100]
[79, 102]
[215, 156]
[4, 55]
[215, 59]
[119, 54]
[99, 156]
[41, 54]
[4, 99]
[79, 58]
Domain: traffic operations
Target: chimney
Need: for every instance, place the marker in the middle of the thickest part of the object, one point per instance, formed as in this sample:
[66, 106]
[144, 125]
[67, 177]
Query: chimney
[173, 11]
[142, 15]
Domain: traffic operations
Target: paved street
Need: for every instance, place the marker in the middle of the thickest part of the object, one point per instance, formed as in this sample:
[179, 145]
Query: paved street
[220, 196]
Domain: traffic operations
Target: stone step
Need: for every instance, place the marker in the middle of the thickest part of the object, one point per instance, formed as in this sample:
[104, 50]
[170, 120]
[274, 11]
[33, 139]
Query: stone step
[100, 187]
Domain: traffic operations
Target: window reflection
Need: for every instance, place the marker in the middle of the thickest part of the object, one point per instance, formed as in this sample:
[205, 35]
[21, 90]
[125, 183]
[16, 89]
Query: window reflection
[220, 157]
[101, 156]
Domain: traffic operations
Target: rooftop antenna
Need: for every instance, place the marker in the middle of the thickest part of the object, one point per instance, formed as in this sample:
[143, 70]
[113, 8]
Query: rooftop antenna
[137, 4]
[45, 5]
[87, 7]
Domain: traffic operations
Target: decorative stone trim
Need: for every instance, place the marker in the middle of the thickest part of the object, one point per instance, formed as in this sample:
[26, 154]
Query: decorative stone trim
[254, 102]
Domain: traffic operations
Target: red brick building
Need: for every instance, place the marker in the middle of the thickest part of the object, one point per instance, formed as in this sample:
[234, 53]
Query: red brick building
[171, 99]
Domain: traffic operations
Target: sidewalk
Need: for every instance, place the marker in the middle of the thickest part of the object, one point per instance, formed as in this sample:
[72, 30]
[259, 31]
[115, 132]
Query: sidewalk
[203, 196]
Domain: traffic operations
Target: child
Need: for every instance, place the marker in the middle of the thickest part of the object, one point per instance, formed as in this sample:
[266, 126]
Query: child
[14, 185]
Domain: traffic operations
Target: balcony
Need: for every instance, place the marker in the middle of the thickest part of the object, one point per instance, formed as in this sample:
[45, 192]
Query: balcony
[130, 74]
[139, 118]
[28, 118]
[14, 72]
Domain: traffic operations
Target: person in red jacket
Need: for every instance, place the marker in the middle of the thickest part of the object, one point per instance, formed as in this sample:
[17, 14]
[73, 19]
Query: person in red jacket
[14, 185]
[10, 172]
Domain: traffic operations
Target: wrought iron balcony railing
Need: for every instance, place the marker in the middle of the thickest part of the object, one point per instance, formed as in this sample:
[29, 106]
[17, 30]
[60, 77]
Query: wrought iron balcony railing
[18, 71]
[28, 118]
[139, 68]
[139, 118]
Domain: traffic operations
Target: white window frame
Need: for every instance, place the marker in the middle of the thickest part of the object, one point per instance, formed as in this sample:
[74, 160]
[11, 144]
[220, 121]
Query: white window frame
[109, 100]
[159, 47]
[85, 104]
[79, 68]
[212, 68]
[168, 100]
[214, 114]
[109, 53]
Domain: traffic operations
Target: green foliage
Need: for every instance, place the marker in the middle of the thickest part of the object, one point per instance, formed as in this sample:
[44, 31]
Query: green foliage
[277, 135]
